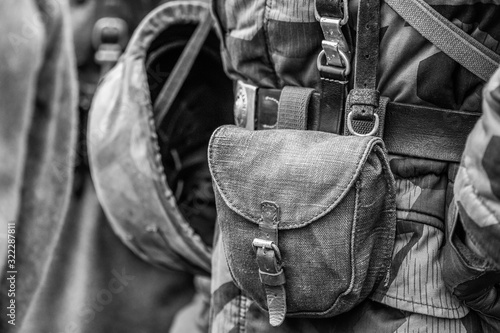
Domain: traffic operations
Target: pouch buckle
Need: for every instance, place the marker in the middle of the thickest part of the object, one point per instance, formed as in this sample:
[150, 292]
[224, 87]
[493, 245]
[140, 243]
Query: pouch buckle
[267, 246]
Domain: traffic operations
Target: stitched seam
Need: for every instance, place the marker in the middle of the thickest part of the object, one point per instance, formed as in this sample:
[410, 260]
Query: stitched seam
[424, 223]
[422, 213]
[268, 42]
[242, 313]
[418, 303]
[339, 302]
[390, 200]
[332, 80]
[267, 98]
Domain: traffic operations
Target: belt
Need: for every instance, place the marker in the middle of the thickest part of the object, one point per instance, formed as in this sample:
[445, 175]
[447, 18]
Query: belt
[410, 130]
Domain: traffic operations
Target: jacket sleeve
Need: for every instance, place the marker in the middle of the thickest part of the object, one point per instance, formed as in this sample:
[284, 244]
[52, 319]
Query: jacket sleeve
[472, 253]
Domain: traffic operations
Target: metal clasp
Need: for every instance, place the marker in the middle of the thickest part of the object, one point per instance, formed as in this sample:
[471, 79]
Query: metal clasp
[335, 44]
[336, 55]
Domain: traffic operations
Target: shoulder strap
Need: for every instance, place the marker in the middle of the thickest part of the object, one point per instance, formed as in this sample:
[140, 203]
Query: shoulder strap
[450, 39]
[333, 62]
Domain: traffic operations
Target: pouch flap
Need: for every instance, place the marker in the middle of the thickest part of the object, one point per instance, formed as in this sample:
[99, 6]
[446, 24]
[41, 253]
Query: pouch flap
[307, 173]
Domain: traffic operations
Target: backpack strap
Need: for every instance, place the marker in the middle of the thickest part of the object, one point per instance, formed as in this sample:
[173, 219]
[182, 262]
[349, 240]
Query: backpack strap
[450, 39]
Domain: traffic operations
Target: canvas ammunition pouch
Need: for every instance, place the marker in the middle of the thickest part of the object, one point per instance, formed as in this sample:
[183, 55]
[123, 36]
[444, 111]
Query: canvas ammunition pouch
[307, 218]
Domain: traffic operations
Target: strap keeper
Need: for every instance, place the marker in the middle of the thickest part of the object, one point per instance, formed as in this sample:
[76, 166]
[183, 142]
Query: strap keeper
[373, 126]
[364, 97]
[272, 279]
[293, 108]
[362, 103]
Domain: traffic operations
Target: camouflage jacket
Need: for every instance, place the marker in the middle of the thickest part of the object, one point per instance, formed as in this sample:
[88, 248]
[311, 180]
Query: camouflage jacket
[434, 284]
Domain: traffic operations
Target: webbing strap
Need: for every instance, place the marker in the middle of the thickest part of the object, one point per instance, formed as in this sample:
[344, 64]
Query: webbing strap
[450, 39]
[293, 107]
[176, 79]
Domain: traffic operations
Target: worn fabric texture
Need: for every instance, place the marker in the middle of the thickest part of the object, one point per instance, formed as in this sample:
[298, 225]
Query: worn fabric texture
[37, 129]
[275, 43]
[472, 252]
[74, 274]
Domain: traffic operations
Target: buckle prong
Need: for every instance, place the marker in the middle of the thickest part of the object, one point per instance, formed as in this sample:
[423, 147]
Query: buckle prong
[267, 245]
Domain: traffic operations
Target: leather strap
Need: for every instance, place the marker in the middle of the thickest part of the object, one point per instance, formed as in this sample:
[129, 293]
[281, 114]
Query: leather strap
[268, 259]
[364, 97]
[333, 63]
[329, 8]
[333, 96]
[450, 39]
[367, 44]
[426, 132]
[410, 130]
[176, 79]
[293, 107]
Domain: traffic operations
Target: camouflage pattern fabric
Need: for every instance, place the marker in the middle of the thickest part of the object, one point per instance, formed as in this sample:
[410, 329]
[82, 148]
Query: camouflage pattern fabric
[275, 43]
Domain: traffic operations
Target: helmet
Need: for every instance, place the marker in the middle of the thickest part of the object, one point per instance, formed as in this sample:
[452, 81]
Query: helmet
[151, 177]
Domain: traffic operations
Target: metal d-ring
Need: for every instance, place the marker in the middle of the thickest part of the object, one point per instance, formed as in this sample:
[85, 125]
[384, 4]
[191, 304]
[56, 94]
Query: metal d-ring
[330, 69]
[372, 132]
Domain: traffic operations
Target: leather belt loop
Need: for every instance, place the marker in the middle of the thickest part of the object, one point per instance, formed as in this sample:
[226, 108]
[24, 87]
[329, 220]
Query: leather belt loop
[363, 98]
[293, 108]
[269, 260]
[267, 108]
[333, 95]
